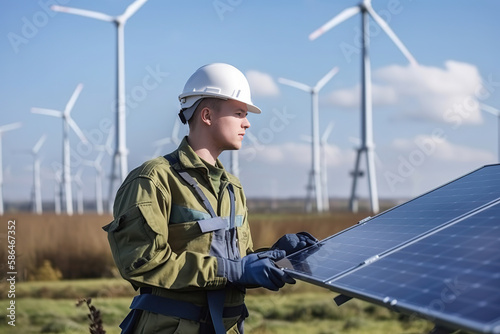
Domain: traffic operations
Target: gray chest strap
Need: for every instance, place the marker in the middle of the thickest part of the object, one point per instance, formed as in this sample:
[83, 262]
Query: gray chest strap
[223, 245]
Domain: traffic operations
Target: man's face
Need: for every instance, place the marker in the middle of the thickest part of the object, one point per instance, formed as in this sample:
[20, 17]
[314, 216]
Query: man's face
[229, 124]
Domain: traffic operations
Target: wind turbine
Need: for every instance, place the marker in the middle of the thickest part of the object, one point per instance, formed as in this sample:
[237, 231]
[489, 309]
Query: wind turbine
[310, 181]
[68, 122]
[315, 159]
[99, 173]
[360, 173]
[367, 145]
[324, 173]
[119, 161]
[37, 191]
[4, 129]
[79, 191]
[234, 165]
[96, 164]
[57, 190]
[172, 139]
[495, 112]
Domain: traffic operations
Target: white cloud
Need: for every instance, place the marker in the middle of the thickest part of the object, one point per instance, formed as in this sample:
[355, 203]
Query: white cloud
[285, 168]
[438, 148]
[406, 168]
[297, 154]
[351, 97]
[424, 162]
[423, 92]
[261, 84]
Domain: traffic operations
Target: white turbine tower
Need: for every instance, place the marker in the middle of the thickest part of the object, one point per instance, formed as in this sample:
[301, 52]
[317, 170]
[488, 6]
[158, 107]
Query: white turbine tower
[57, 190]
[367, 144]
[97, 165]
[37, 188]
[315, 159]
[68, 122]
[324, 166]
[323, 172]
[99, 172]
[4, 129]
[495, 112]
[79, 191]
[234, 166]
[119, 162]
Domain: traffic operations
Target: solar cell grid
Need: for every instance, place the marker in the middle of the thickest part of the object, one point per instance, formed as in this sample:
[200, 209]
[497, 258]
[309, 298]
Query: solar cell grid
[392, 228]
[437, 255]
[454, 272]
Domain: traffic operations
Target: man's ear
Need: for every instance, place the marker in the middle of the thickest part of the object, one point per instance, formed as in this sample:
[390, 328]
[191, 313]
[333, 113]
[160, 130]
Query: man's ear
[206, 115]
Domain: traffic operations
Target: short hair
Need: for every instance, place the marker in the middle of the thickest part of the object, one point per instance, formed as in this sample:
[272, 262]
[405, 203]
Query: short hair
[210, 102]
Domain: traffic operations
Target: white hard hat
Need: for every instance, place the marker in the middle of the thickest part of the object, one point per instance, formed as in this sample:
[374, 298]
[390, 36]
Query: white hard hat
[216, 80]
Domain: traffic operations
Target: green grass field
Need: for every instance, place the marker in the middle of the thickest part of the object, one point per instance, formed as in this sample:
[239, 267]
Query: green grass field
[50, 307]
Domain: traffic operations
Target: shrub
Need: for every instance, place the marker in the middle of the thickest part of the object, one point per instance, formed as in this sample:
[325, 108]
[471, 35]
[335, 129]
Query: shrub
[46, 273]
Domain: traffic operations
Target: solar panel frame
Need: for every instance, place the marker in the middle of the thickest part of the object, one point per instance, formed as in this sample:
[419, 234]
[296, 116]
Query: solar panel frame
[437, 316]
[475, 204]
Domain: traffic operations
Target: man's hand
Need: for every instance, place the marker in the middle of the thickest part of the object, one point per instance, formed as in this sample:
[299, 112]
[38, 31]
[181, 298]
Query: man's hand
[291, 243]
[255, 269]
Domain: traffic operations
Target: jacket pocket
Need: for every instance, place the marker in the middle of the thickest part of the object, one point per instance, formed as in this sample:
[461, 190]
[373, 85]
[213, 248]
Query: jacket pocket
[132, 240]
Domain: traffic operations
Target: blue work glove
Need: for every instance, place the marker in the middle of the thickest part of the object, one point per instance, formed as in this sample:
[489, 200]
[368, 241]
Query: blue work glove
[291, 243]
[255, 269]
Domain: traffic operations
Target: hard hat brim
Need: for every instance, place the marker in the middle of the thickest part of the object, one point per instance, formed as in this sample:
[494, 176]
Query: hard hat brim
[254, 109]
[191, 99]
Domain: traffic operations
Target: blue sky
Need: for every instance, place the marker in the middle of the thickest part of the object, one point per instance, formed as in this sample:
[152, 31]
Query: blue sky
[428, 128]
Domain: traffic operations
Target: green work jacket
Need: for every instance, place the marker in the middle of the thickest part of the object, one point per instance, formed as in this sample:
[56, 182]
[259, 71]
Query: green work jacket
[156, 236]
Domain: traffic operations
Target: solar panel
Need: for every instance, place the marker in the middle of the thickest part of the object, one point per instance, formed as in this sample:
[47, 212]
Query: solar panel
[437, 256]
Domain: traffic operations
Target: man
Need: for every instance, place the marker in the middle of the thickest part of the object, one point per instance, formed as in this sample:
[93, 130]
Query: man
[180, 232]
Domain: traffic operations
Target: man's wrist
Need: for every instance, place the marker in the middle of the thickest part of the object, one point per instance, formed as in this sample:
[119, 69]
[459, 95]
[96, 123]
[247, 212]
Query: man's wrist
[230, 269]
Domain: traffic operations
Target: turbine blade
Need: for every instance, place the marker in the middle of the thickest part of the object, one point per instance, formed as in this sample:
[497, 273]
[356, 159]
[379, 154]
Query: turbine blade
[9, 127]
[134, 7]
[295, 84]
[161, 142]
[83, 12]
[79, 173]
[391, 35]
[73, 98]
[355, 140]
[490, 109]
[175, 130]
[48, 112]
[109, 140]
[328, 131]
[88, 163]
[99, 158]
[341, 17]
[306, 138]
[77, 130]
[39, 143]
[326, 78]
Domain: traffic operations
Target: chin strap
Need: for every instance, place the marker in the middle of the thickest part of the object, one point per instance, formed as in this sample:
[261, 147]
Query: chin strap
[182, 117]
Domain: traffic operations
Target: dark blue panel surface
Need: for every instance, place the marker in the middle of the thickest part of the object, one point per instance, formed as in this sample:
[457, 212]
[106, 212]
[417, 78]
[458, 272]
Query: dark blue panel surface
[394, 227]
[452, 274]
[437, 256]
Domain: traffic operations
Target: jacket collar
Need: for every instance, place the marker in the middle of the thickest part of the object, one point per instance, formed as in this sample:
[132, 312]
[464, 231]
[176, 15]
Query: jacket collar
[188, 159]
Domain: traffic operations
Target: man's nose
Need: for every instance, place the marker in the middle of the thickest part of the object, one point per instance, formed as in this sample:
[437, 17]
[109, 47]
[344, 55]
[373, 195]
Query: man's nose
[246, 123]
